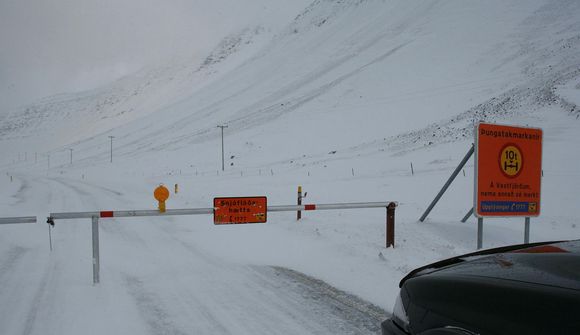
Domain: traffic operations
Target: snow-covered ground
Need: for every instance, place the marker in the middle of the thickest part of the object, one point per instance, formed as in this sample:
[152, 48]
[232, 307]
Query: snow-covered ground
[340, 99]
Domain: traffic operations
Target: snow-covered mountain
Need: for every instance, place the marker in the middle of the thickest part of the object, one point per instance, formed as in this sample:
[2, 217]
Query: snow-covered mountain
[339, 97]
[373, 64]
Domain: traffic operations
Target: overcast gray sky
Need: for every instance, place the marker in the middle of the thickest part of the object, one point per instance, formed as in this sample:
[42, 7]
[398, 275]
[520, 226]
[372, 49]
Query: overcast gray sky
[54, 46]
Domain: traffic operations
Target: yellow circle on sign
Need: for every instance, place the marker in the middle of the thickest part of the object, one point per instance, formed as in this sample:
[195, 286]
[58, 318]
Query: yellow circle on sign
[161, 193]
[511, 161]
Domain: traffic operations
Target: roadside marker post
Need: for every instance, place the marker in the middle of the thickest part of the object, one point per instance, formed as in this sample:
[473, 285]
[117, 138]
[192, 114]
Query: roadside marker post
[261, 208]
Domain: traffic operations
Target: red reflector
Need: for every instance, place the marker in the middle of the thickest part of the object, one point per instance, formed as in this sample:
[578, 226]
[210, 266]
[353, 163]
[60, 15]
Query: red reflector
[543, 249]
[107, 214]
[309, 207]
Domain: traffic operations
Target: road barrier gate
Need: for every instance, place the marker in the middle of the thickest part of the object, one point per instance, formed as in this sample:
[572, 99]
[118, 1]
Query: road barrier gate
[95, 216]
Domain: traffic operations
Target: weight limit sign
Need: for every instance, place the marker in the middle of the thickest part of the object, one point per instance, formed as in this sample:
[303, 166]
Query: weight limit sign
[508, 170]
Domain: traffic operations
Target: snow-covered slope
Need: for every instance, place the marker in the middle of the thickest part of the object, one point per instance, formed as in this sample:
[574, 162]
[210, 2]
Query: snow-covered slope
[341, 100]
[371, 63]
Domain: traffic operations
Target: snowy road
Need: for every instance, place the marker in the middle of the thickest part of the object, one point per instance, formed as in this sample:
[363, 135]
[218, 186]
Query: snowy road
[153, 280]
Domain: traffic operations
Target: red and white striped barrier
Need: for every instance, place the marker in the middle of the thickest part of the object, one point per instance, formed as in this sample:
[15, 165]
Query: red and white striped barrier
[95, 216]
[199, 211]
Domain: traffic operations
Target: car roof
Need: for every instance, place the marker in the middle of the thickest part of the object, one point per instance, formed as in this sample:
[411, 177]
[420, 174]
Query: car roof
[546, 263]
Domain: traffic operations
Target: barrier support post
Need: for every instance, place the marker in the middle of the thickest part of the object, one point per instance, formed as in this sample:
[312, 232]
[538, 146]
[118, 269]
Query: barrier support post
[299, 213]
[95, 249]
[391, 224]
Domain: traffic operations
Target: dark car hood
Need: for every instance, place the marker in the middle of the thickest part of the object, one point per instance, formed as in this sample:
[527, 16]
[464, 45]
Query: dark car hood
[555, 264]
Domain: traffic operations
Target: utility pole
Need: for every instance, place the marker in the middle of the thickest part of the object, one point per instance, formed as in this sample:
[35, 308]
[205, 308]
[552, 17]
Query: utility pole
[71, 150]
[111, 137]
[222, 127]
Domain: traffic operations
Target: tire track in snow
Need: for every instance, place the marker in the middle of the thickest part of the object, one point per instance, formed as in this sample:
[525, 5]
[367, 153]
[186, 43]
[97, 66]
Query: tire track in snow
[150, 307]
[8, 262]
[11, 268]
[368, 311]
[349, 313]
[41, 295]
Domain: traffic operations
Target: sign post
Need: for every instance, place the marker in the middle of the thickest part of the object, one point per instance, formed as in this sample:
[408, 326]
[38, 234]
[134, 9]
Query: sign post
[508, 172]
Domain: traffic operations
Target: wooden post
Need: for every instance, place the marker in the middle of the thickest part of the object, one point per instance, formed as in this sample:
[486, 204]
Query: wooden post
[299, 213]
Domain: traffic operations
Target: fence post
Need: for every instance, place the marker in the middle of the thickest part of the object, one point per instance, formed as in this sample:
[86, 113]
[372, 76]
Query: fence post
[95, 249]
[391, 224]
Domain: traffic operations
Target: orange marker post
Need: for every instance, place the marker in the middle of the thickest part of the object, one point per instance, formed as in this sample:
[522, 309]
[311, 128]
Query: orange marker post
[161, 194]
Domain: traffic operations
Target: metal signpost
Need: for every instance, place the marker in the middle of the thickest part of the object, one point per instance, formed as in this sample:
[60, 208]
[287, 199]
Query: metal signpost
[447, 184]
[255, 206]
[508, 173]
